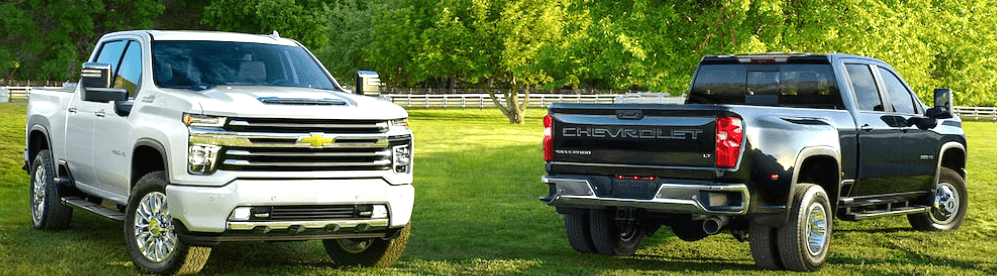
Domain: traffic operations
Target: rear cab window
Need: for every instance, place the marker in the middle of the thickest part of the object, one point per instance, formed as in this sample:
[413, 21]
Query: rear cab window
[805, 83]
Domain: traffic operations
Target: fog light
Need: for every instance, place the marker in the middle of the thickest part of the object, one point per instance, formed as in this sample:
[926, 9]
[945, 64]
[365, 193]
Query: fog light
[201, 158]
[380, 211]
[240, 214]
[402, 159]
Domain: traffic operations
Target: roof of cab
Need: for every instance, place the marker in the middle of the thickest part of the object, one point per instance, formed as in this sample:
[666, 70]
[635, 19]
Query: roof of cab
[777, 56]
[214, 36]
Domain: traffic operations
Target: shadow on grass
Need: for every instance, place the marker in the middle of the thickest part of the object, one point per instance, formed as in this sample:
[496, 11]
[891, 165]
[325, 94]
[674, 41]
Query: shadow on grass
[877, 231]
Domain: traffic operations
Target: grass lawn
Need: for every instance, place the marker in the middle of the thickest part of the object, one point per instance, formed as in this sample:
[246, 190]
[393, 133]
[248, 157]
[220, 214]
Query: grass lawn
[476, 213]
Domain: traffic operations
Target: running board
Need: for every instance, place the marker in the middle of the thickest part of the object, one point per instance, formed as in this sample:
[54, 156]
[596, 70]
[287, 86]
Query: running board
[882, 213]
[93, 208]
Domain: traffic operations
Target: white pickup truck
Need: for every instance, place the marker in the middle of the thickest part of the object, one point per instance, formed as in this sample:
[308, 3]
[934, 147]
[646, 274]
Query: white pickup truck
[195, 138]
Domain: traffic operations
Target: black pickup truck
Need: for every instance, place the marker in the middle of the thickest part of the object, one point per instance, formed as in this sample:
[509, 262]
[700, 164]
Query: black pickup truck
[771, 147]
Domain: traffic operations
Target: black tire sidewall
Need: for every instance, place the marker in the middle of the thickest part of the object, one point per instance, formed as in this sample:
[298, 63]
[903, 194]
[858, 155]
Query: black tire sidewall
[151, 182]
[948, 176]
[381, 253]
[795, 235]
[579, 236]
[54, 215]
[606, 234]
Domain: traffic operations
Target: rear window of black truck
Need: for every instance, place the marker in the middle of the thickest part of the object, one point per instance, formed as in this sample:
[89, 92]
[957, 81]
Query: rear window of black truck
[771, 84]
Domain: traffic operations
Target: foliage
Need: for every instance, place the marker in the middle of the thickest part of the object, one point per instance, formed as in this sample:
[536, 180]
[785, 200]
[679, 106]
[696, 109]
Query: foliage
[303, 20]
[49, 39]
[525, 45]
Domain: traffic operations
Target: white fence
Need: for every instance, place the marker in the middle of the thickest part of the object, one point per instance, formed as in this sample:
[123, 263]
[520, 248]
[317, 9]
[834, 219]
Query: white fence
[9, 94]
[977, 113]
[483, 100]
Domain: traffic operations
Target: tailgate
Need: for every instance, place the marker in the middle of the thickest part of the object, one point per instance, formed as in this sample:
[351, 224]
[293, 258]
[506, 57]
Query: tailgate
[634, 136]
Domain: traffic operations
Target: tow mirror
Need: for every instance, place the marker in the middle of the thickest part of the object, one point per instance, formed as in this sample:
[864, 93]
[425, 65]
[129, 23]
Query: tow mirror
[95, 84]
[943, 104]
[96, 75]
[368, 83]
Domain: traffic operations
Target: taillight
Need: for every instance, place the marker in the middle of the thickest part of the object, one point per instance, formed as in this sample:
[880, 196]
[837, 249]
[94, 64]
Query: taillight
[728, 141]
[548, 138]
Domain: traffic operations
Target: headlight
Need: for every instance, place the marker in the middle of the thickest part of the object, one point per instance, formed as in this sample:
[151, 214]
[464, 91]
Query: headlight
[201, 158]
[402, 159]
[196, 120]
[398, 123]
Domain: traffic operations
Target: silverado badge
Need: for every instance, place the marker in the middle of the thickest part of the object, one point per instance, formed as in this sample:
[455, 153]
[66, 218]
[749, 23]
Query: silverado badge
[315, 139]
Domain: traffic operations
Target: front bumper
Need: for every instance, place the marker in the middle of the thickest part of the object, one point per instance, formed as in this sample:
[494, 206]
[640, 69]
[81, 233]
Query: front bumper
[206, 210]
[670, 196]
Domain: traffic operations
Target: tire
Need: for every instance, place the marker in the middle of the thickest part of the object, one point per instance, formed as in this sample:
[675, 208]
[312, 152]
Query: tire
[47, 212]
[688, 230]
[948, 205]
[154, 230]
[614, 238]
[764, 249]
[805, 239]
[374, 252]
[579, 236]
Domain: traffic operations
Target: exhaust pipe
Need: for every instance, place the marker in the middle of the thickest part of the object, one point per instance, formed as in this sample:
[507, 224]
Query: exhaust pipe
[713, 225]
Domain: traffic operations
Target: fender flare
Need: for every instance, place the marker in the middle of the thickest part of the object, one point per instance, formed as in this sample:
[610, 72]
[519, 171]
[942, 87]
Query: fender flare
[48, 139]
[149, 142]
[941, 150]
[814, 151]
[778, 219]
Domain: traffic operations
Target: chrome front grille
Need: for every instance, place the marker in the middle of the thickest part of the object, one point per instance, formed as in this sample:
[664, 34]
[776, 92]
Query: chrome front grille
[306, 125]
[302, 144]
[305, 159]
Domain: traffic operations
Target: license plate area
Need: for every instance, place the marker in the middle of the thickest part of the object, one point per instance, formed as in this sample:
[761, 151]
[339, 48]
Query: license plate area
[633, 189]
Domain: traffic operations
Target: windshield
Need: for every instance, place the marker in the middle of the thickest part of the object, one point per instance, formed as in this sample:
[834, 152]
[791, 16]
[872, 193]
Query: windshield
[201, 65]
[781, 84]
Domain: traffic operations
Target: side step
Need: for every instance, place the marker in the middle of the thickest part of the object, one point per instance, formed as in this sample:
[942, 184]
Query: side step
[94, 208]
[882, 213]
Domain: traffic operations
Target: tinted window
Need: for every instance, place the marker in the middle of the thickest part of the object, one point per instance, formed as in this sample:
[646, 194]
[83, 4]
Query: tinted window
[864, 86]
[797, 85]
[899, 95]
[131, 69]
[110, 54]
[204, 64]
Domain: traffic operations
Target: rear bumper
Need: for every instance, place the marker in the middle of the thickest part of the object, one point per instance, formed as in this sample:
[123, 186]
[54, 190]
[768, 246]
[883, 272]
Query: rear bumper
[680, 197]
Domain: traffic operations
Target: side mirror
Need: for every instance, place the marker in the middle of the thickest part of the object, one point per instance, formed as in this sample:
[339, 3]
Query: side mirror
[95, 84]
[943, 104]
[96, 75]
[368, 83]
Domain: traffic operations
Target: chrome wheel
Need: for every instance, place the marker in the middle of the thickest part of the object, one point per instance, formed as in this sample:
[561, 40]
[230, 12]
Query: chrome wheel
[816, 229]
[946, 204]
[154, 232]
[354, 246]
[38, 196]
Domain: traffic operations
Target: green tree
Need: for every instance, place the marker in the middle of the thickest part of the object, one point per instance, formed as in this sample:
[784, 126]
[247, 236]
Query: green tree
[48, 39]
[304, 20]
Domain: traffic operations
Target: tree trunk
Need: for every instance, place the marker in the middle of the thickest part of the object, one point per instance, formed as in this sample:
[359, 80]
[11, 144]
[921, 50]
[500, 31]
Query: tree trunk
[512, 108]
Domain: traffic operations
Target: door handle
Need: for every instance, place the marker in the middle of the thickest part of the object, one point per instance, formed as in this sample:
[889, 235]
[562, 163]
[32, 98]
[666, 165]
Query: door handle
[100, 113]
[71, 110]
[866, 127]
